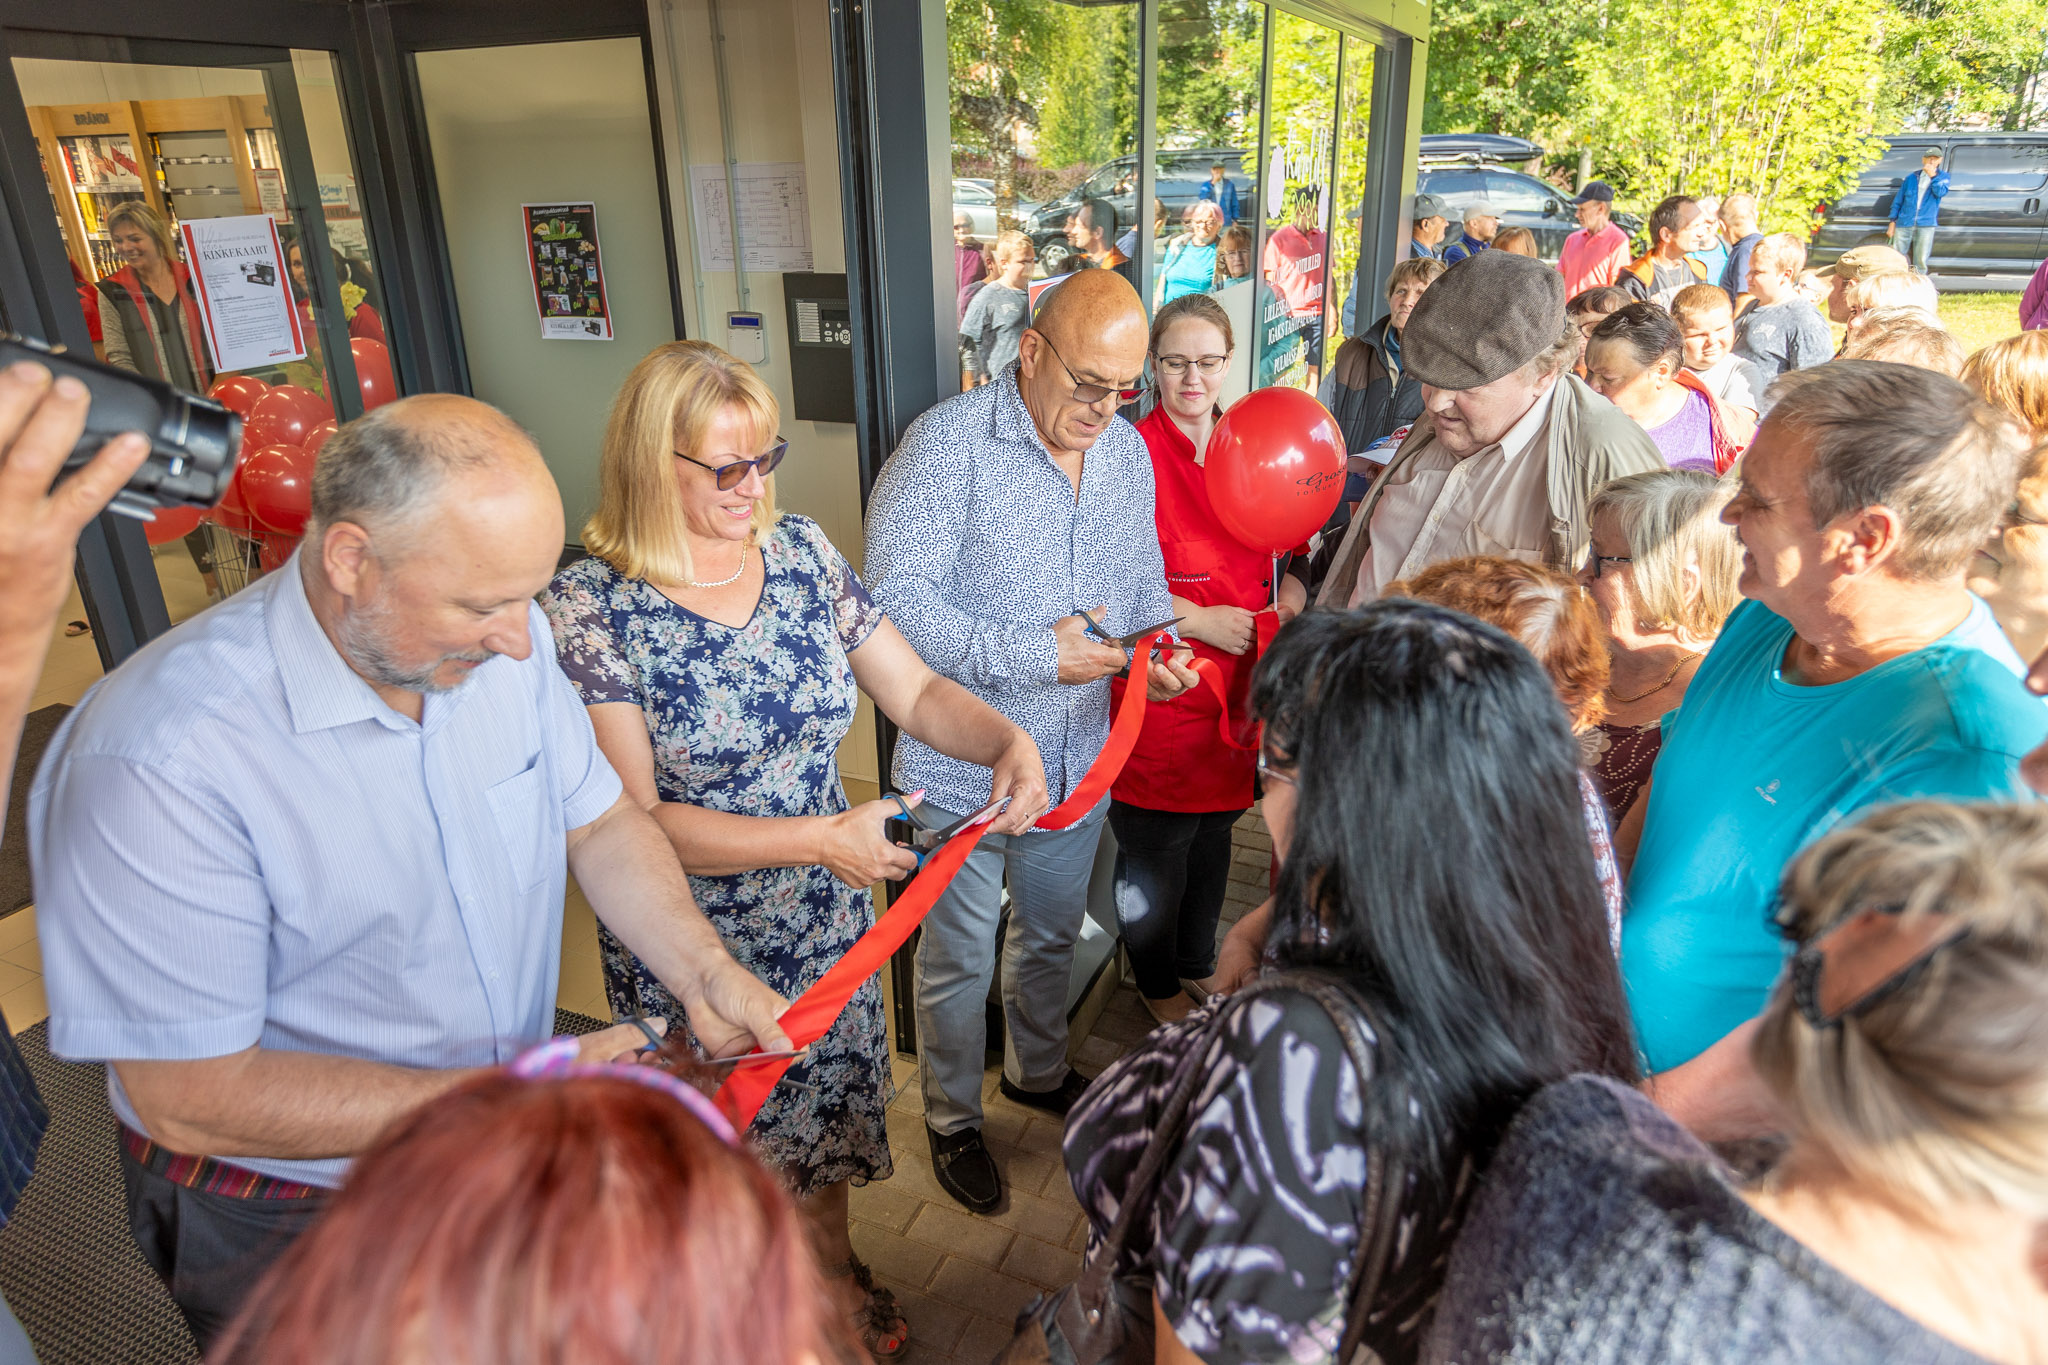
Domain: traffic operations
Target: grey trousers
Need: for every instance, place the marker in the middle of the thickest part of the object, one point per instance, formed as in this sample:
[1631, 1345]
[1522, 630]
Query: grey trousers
[1048, 873]
[14, 1344]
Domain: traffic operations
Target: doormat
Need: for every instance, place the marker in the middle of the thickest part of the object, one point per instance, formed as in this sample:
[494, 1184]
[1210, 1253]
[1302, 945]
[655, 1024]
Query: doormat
[15, 889]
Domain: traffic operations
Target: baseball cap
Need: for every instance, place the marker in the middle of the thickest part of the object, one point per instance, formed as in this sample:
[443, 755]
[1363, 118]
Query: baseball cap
[1596, 191]
[1429, 206]
[1869, 259]
[1482, 207]
[1934, 152]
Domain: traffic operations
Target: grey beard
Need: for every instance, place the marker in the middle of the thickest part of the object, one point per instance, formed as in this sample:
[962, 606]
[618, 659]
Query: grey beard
[367, 645]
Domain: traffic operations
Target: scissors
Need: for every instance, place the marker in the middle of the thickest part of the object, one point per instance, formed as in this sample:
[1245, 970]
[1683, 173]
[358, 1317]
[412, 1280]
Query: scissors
[925, 838]
[1126, 642]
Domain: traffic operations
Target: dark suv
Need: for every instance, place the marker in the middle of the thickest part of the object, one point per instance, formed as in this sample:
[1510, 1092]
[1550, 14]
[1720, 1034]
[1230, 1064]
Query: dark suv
[1993, 229]
[1177, 180]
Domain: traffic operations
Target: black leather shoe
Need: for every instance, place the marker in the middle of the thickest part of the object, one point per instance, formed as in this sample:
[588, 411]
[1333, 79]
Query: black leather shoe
[1058, 1100]
[965, 1169]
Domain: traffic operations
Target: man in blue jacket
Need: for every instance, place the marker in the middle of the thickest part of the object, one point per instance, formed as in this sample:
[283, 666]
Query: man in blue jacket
[1915, 207]
[1220, 190]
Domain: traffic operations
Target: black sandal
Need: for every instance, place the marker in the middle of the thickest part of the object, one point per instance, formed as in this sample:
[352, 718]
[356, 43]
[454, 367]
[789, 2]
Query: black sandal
[878, 1320]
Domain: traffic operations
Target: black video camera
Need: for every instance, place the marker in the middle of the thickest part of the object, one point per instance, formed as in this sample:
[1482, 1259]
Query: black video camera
[193, 441]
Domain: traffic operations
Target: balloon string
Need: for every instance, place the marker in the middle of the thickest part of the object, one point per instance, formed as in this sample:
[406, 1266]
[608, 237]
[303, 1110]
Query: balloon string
[817, 1009]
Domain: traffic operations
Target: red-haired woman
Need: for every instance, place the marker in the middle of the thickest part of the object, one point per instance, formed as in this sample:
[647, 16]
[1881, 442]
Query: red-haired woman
[1182, 791]
[558, 1212]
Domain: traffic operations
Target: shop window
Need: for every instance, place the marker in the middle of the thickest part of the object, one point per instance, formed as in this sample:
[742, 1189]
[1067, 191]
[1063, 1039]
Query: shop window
[1044, 111]
[1293, 266]
[1351, 304]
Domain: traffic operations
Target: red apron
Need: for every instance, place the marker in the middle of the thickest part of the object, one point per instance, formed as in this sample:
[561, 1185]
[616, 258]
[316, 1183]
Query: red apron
[1180, 764]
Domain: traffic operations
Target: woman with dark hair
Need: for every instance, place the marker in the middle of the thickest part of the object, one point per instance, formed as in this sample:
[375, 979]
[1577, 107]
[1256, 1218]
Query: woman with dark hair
[1636, 359]
[1455, 894]
[557, 1213]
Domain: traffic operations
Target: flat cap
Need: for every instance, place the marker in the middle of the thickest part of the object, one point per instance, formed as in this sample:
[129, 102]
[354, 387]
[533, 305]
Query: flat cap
[1487, 316]
[1859, 261]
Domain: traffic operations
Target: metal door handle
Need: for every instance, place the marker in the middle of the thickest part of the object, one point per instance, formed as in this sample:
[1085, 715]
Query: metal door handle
[2033, 206]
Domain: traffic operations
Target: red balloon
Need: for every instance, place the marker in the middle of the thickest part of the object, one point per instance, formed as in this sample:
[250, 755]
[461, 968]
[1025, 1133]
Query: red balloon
[284, 417]
[1274, 468]
[238, 393]
[317, 437]
[277, 485]
[172, 523]
[232, 511]
[373, 370]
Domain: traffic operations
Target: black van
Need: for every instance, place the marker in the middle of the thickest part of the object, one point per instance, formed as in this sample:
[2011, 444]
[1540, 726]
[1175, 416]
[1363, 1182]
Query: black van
[1177, 183]
[1993, 230]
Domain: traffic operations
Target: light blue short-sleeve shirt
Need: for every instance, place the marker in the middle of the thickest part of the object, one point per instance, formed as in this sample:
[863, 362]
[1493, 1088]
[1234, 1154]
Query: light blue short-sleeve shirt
[1754, 768]
[237, 842]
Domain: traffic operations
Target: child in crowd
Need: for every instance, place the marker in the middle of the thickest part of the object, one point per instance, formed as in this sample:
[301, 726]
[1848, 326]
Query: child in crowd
[1587, 309]
[1784, 331]
[1000, 310]
[1904, 336]
[1706, 325]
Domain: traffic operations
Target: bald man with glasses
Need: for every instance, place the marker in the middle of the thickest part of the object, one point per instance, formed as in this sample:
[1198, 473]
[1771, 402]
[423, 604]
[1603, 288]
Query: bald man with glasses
[1004, 514]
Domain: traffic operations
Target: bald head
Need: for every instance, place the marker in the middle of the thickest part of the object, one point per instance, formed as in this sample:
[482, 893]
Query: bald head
[1089, 338]
[1091, 303]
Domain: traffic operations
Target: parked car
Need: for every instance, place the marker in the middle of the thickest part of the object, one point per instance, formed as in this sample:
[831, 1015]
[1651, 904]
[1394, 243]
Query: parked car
[1994, 222]
[1177, 181]
[1492, 148]
[1521, 200]
[979, 203]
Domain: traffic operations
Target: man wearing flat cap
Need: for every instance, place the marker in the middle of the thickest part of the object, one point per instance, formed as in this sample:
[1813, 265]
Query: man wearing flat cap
[1511, 446]
[1853, 265]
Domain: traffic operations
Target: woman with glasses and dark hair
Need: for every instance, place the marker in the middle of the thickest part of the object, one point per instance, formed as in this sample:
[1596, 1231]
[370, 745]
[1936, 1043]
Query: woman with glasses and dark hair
[1906, 1051]
[720, 648]
[1183, 788]
[1422, 788]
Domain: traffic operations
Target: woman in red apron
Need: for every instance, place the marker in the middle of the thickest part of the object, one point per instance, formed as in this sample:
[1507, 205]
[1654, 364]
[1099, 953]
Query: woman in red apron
[1174, 804]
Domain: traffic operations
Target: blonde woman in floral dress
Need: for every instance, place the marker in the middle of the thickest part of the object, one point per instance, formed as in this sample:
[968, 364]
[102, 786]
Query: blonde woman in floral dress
[721, 648]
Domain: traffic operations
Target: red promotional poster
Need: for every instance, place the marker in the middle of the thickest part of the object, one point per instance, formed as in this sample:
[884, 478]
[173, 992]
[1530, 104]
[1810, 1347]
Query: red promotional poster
[568, 272]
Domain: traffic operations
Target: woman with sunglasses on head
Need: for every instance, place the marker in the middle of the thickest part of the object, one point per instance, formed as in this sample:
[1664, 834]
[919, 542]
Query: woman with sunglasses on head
[553, 1213]
[1422, 788]
[1906, 1049]
[720, 648]
[1183, 788]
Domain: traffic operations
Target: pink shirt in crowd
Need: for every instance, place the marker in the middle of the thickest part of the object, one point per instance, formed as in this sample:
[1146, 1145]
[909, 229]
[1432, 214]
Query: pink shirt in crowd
[1589, 261]
[2034, 303]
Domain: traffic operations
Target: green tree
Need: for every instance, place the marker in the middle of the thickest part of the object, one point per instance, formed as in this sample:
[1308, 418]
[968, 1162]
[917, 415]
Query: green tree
[1949, 62]
[1777, 97]
[1507, 66]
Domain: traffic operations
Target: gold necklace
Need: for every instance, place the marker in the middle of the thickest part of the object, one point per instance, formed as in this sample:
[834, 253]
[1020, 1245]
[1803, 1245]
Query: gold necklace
[1624, 701]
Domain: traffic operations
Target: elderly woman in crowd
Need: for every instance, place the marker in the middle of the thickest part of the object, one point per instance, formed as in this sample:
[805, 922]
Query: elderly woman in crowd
[1662, 571]
[1183, 789]
[1635, 358]
[1189, 265]
[556, 1213]
[1904, 336]
[719, 647]
[1906, 1050]
[1456, 895]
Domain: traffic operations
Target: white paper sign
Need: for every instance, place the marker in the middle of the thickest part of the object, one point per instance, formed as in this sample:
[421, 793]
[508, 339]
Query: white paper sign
[245, 295]
[775, 215]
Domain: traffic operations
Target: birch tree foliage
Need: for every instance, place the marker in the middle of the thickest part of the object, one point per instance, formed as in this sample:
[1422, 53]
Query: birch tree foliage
[1776, 97]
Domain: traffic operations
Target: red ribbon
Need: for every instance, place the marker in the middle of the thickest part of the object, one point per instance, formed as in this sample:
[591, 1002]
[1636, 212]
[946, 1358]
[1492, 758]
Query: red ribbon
[817, 1009]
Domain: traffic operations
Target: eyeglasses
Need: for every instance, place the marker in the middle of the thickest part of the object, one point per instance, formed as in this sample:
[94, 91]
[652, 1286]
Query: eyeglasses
[1174, 366]
[1267, 773]
[731, 476]
[1597, 560]
[1088, 393]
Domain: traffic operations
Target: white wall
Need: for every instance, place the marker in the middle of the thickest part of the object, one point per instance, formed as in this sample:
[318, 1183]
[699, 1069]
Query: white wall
[779, 76]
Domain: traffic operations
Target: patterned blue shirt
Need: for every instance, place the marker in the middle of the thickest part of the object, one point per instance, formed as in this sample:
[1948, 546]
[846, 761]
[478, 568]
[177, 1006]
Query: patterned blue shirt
[977, 544]
[237, 842]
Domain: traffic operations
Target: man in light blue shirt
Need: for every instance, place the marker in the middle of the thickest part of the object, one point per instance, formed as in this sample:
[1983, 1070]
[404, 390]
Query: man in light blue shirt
[300, 862]
[1003, 514]
[1863, 672]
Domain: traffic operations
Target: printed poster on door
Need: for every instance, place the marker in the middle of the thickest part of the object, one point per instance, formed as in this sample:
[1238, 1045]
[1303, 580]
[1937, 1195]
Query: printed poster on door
[244, 293]
[568, 272]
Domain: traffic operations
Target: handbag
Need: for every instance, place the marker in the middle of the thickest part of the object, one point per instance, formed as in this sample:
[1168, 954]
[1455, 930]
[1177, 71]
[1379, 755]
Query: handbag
[1105, 1318]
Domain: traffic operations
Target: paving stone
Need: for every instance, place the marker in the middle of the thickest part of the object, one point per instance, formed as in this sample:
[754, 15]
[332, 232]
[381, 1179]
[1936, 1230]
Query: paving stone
[909, 1098]
[935, 1325]
[983, 1338]
[915, 1177]
[1042, 1263]
[882, 1204]
[1044, 1137]
[1078, 1239]
[991, 1293]
[906, 1129]
[957, 1232]
[1097, 1053]
[1048, 1218]
[1022, 1170]
[895, 1257]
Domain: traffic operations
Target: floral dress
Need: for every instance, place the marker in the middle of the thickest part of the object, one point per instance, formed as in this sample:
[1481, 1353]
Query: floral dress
[748, 720]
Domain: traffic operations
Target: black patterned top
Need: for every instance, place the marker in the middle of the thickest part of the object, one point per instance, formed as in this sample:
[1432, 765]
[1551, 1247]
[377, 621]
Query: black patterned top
[1257, 1223]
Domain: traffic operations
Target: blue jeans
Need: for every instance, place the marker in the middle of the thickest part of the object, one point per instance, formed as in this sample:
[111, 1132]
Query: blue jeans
[1914, 243]
[1048, 872]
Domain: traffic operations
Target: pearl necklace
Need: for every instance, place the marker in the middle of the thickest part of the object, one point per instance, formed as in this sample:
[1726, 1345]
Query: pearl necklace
[692, 583]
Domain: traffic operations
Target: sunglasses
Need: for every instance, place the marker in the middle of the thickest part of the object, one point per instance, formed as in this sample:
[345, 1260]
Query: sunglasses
[1866, 959]
[731, 476]
[1089, 393]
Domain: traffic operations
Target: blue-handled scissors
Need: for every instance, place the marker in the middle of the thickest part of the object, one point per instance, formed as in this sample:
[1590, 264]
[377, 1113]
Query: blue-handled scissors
[912, 828]
[1126, 642]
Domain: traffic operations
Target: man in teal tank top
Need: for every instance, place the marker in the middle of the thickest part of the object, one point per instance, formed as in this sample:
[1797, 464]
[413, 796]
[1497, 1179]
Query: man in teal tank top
[1862, 672]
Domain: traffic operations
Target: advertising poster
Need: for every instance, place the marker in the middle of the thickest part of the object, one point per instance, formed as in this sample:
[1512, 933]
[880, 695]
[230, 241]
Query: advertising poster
[245, 298]
[568, 276]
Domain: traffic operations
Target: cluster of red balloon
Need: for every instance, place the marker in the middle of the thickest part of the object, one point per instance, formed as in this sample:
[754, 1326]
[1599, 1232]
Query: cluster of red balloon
[283, 428]
[1274, 469]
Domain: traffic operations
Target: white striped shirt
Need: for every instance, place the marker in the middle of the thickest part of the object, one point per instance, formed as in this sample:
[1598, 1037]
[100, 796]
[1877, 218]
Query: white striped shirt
[236, 842]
